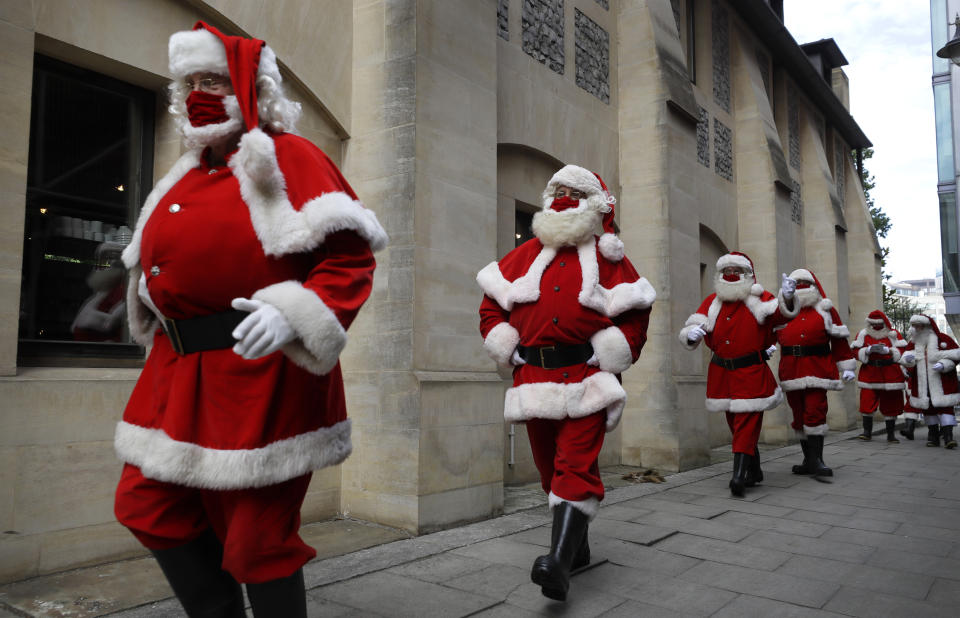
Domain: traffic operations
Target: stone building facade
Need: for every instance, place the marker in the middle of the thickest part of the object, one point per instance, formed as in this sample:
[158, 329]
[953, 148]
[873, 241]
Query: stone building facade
[714, 129]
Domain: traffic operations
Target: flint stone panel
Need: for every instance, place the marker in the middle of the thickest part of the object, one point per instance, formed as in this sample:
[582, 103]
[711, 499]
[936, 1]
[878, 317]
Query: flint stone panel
[839, 154]
[721, 56]
[703, 137]
[592, 56]
[723, 150]
[543, 32]
[796, 204]
[793, 127]
[503, 28]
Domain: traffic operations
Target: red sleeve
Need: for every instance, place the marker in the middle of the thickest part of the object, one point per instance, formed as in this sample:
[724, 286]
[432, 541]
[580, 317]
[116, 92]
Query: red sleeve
[491, 314]
[839, 346]
[634, 325]
[343, 275]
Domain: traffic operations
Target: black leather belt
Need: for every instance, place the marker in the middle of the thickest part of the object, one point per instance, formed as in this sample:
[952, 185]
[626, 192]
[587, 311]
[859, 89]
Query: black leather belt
[208, 332]
[880, 362]
[805, 350]
[739, 362]
[556, 356]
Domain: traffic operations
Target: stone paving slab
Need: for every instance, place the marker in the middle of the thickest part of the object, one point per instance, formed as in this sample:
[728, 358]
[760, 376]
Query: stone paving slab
[869, 604]
[746, 606]
[723, 551]
[756, 582]
[890, 581]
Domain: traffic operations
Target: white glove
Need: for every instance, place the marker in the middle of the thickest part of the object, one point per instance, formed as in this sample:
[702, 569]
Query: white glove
[908, 357]
[696, 334]
[788, 286]
[771, 350]
[937, 366]
[262, 332]
[515, 360]
[848, 375]
[594, 361]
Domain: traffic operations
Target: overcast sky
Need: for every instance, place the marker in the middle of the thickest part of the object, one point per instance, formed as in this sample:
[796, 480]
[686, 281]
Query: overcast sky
[887, 43]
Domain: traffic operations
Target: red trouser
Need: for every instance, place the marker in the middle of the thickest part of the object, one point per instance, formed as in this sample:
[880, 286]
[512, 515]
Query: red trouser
[809, 406]
[258, 527]
[889, 402]
[745, 427]
[565, 452]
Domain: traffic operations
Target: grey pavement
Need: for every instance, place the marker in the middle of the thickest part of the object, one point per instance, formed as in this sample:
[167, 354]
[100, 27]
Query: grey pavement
[881, 539]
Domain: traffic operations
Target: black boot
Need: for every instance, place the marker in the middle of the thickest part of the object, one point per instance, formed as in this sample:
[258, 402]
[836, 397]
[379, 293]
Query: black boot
[891, 433]
[279, 598]
[933, 435]
[867, 434]
[817, 467]
[907, 431]
[552, 571]
[582, 558]
[741, 464]
[202, 587]
[803, 468]
[754, 473]
[947, 432]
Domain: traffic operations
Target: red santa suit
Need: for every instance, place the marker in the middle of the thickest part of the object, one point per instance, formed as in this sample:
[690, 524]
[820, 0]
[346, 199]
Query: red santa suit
[539, 296]
[881, 378]
[738, 330]
[933, 392]
[813, 350]
[210, 438]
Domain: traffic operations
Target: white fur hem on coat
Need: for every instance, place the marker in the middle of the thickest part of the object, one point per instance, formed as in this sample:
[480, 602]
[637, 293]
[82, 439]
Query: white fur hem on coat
[849, 364]
[501, 341]
[589, 507]
[758, 404]
[798, 384]
[612, 350]
[162, 458]
[881, 386]
[554, 400]
[942, 401]
[320, 336]
[817, 430]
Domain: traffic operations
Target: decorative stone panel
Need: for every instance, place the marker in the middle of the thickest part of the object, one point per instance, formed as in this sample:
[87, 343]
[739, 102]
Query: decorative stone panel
[604, 3]
[793, 127]
[542, 24]
[503, 27]
[592, 56]
[763, 61]
[721, 56]
[840, 167]
[675, 5]
[703, 137]
[796, 204]
[722, 150]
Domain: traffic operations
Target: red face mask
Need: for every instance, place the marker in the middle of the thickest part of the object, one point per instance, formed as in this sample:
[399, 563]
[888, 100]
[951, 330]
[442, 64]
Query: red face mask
[732, 278]
[563, 203]
[204, 108]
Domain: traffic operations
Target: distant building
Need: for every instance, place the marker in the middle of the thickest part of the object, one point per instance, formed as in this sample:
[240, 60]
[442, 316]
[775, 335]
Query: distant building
[926, 296]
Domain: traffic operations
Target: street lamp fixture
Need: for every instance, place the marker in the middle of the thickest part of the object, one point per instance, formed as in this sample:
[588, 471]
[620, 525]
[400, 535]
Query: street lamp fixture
[951, 50]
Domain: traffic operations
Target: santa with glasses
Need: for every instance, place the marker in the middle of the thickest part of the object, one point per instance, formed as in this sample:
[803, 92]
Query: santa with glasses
[568, 311]
[931, 359]
[881, 379]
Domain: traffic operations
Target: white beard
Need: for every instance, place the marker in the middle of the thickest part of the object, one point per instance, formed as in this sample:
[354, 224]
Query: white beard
[730, 291]
[878, 333]
[208, 135]
[566, 227]
[808, 297]
[921, 337]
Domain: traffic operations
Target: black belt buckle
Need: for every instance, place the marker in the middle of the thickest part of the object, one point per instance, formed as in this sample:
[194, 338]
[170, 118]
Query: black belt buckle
[541, 350]
[727, 363]
[173, 334]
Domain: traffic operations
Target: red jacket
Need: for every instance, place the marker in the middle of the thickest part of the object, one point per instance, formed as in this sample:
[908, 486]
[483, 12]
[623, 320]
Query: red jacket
[879, 378]
[537, 296]
[928, 388]
[280, 224]
[736, 329]
[817, 325]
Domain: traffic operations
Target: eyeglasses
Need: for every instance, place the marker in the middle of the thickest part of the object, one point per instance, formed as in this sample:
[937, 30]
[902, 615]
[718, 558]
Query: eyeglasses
[577, 195]
[207, 84]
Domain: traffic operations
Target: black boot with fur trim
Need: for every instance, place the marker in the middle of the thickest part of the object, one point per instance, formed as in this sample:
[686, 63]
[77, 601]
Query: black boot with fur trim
[552, 571]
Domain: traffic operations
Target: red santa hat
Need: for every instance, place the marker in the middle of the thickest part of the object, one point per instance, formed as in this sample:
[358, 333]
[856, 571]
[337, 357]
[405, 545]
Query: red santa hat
[922, 319]
[877, 317]
[740, 260]
[582, 179]
[206, 49]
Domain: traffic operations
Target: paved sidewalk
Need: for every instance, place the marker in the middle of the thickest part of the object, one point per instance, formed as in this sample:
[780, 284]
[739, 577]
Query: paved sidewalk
[883, 539]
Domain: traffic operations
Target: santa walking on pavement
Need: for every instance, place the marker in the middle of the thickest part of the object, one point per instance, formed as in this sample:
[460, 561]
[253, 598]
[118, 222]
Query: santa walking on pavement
[815, 357]
[931, 359]
[736, 322]
[569, 313]
[881, 379]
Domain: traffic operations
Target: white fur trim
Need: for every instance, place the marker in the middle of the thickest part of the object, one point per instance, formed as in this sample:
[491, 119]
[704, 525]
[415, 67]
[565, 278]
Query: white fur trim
[758, 404]
[847, 365]
[613, 301]
[811, 382]
[576, 177]
[612, 350]
[501, 341]
[785, 310]
[696, 319]
[281, 229]
[881, 386]
[553, 400]
[756, 289]
[142, 321]
[929, 383]
[320, 336]
[817, 430]
[931, 419]
[162, 458]
[195, 51]
[611, 247]
[589, 507]
[738, 261]
[920, 320]
[834, 330]
[525, 289]
[947, 420]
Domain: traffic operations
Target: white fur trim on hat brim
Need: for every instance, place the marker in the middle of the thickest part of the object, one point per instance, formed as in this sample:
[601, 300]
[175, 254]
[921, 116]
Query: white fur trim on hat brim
[501, 341]
[162, 458]
[816, 430]
[196, 51]
[798, 384]
[576, 177]
[612, 349]
[611, 247]
[589, 507]
[920, 320]
[802, 274]
[737, 261]
[881, 386]
[320, 336]
[555, 400]
[757, 404]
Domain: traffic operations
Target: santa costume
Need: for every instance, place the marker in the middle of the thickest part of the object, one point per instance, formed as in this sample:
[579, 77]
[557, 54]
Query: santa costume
[931, 359]
[736, 323]
[881, 379]
[243, 278]
[570, 313]
[815, 357]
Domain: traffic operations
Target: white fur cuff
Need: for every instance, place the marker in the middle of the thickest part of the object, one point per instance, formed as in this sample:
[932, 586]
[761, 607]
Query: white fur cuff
[320, 336]
[589, 507]
[758, 404]
[612, 350]
[697, 319]
[847, 365]
[798, 384]
[501, 341]
[784, 309]
[818, 430]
